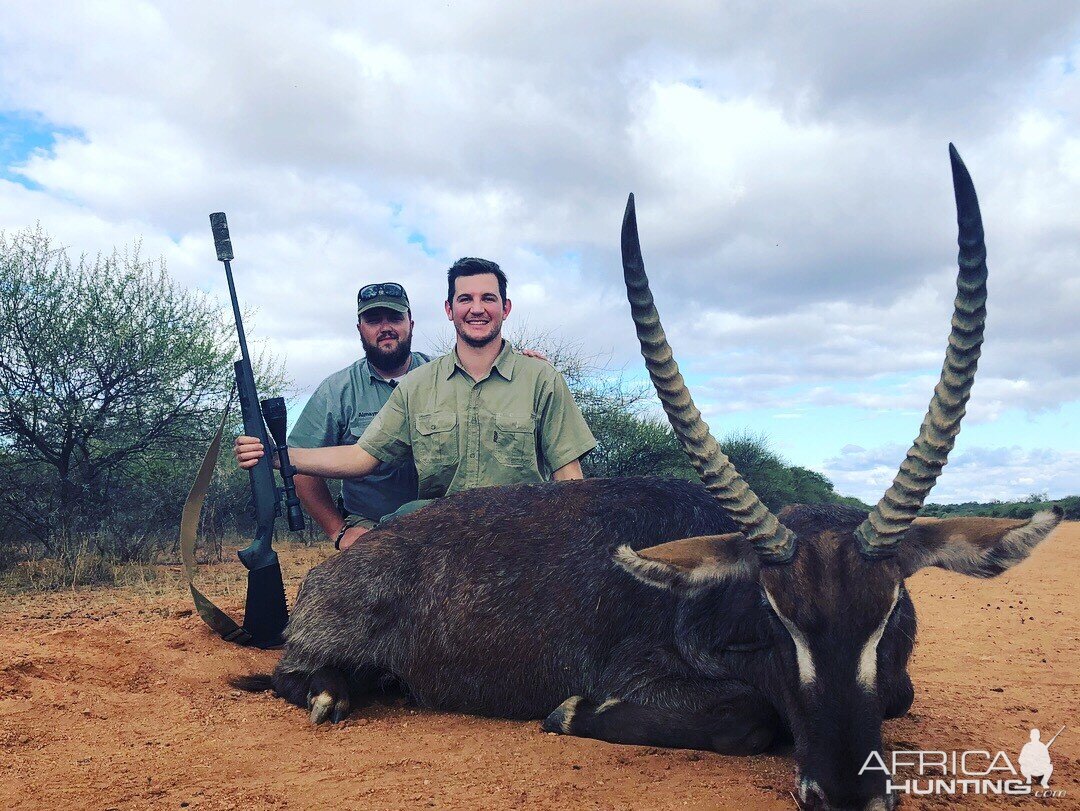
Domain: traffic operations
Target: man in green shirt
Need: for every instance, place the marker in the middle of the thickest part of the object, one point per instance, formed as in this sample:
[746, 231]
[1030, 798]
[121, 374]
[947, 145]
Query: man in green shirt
[344, 405]
[477, 417]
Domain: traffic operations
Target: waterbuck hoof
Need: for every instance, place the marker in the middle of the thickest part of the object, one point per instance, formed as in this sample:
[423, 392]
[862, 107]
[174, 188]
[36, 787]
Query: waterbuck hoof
[328, 696]
[326, 707]
[563, 716]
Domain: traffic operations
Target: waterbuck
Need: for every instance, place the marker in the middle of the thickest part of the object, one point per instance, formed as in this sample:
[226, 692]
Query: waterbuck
[663, 612]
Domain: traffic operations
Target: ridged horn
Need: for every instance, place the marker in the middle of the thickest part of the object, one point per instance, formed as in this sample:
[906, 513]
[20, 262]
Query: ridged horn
[879, 535]
[774, 542]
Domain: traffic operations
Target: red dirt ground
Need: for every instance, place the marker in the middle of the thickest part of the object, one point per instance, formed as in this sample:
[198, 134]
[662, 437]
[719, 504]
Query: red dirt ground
[116, 699]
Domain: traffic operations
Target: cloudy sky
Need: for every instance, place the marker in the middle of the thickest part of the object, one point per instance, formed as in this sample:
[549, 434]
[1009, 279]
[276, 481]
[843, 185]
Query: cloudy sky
[789, 161]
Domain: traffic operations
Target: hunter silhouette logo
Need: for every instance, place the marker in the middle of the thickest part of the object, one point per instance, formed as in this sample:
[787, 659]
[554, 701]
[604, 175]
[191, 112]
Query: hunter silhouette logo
[974, 771]
[1034, 758]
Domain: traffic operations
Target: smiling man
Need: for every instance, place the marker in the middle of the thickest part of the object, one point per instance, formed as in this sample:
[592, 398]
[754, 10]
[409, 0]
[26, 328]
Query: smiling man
[344, 405]
[479, 416]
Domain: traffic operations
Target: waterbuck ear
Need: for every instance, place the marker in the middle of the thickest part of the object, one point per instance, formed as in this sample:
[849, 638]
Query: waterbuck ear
[690, 564]
[978, 547]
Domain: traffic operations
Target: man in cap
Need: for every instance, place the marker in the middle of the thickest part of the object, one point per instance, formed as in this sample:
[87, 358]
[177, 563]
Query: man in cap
[346, 402]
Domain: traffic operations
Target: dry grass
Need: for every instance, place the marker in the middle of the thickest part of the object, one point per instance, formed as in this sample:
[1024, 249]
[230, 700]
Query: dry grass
[217, 579]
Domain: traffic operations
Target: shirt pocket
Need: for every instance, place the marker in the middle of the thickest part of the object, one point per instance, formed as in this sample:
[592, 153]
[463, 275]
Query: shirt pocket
[435, 449]
[514, 440]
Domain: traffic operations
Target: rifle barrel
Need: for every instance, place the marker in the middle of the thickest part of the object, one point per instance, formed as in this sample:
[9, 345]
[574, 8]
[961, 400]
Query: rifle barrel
[236, 314]
[219, 225]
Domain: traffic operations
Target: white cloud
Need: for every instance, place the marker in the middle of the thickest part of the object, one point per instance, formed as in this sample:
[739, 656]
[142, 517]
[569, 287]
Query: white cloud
[975, 474]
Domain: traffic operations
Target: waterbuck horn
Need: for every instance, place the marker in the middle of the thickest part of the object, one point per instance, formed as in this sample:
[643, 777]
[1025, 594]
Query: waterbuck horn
[879, 535]
[774, 542]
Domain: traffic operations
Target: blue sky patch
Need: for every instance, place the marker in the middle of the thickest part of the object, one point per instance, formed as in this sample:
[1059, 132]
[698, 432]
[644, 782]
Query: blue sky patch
[23, 134]
[413, 236]
[416, 238]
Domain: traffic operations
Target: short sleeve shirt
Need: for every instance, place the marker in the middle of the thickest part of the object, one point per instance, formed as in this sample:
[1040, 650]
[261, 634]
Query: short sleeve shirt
[338, 412]
[515, 426]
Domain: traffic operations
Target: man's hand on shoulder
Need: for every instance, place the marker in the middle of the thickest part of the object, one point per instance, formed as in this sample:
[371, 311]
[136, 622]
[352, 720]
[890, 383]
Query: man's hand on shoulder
[533, 353]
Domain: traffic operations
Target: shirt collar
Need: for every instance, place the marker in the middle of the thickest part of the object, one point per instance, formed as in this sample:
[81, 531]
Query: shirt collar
[375, 377]
[504, 362]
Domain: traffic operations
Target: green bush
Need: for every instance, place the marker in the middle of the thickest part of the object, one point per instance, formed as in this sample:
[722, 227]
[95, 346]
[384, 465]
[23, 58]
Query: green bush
[1024, 508]
[112, 379]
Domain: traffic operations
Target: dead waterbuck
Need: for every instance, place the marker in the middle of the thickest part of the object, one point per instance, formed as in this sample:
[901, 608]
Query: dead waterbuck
[663, 612]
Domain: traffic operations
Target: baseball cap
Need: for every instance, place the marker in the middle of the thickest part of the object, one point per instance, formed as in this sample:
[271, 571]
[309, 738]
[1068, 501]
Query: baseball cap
[383, 294]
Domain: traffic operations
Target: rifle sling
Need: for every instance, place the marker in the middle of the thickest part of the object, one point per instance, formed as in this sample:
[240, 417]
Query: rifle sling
[224, 625]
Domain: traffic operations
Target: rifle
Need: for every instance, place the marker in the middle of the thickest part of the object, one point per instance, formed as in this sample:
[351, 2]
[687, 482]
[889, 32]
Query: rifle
[265, 612]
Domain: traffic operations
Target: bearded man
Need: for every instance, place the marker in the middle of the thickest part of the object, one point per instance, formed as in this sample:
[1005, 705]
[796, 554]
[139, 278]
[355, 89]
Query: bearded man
[345, 404]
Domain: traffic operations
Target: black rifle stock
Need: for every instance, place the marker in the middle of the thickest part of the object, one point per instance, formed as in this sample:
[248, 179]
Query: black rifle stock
[265, 612]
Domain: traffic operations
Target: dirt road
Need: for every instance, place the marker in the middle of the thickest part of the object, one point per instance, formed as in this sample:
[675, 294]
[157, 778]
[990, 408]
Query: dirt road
[116, 699]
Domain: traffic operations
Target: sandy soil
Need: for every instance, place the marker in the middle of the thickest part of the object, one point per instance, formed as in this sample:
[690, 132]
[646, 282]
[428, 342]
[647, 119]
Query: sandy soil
[116, 699]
